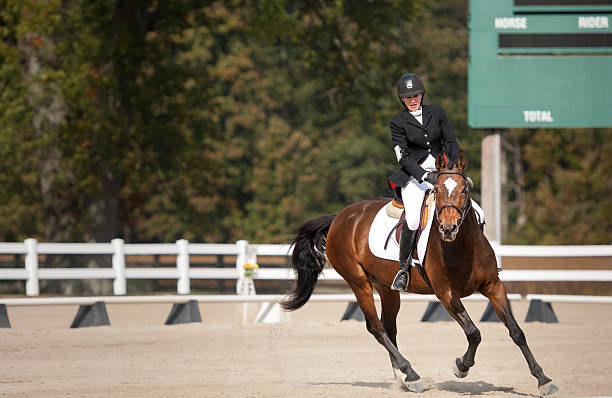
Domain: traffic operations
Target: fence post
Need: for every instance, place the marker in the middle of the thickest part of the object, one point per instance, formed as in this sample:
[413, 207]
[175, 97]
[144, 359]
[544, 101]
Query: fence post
[495, 246]
[119, 284]
[31, 266]
[182, 266]
[241, 259]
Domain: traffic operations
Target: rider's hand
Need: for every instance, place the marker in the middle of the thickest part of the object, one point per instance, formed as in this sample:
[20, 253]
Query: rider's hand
[430, 178]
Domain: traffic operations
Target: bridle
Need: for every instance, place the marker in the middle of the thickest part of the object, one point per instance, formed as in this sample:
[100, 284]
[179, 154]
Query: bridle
[466, 206]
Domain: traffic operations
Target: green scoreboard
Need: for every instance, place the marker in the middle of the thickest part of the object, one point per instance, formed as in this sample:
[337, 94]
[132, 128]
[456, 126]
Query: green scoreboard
[540, 63]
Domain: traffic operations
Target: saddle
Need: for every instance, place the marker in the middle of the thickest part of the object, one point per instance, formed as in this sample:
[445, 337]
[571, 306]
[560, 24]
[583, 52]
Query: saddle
[395, 209]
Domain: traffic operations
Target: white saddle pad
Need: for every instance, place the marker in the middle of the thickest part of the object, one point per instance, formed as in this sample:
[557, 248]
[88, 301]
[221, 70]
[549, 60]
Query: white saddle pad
[382, 226]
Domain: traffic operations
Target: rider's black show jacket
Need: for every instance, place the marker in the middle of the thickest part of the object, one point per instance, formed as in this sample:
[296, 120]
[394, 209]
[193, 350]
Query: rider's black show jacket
[416, 141]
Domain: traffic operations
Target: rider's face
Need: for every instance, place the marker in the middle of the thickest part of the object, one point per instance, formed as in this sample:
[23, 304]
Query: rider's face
[413, 103]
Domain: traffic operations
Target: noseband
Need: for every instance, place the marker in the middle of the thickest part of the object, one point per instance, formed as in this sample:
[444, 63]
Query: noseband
[467, 204]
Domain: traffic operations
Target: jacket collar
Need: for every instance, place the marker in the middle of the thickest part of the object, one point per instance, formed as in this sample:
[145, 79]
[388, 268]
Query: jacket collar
[412, 120]
[427, 115]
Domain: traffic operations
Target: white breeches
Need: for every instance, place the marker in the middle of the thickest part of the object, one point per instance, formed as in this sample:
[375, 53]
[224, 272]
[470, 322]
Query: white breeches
[412, 196]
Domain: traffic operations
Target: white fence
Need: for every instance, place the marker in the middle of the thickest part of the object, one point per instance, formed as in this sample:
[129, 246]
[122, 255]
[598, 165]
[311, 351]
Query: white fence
[245, 253]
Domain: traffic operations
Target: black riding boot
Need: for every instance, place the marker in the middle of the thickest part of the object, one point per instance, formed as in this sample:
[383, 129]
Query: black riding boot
[400, 282]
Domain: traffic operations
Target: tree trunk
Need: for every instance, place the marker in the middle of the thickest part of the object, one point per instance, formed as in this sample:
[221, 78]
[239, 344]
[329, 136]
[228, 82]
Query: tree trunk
[62, 215]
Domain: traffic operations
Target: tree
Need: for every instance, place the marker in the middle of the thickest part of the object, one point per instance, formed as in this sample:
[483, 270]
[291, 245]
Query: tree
[19, 198]
[224, 120]
[102, 87]
[566, 187]
[295, 92]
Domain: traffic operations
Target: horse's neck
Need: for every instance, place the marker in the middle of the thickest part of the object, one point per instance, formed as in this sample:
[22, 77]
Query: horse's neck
[470, 227]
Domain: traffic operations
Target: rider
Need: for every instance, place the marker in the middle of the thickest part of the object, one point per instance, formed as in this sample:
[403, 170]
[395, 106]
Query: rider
[417, 134]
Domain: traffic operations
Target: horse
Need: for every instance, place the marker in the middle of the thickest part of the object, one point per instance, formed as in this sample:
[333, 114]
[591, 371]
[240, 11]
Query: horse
[459, 261]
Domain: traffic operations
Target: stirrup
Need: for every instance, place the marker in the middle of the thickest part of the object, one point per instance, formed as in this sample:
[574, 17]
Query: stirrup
[403, 271]
[399, 285]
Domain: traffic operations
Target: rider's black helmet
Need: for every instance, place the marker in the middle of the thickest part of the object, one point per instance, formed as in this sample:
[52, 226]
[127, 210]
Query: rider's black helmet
[409, 85]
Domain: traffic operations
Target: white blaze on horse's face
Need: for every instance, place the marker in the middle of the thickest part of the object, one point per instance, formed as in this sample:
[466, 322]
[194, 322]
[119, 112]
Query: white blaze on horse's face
[449, 209]
[450, 185]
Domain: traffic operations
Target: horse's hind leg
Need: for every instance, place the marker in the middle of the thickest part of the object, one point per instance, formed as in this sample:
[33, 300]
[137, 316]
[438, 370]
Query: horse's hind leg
[496, 293]
[364, 294]
[455, 307]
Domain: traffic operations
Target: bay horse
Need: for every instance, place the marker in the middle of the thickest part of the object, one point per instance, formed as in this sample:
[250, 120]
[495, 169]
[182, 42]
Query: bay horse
[459, 261]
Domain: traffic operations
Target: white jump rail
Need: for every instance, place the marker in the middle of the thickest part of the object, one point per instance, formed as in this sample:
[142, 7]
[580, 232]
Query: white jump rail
[244, 253]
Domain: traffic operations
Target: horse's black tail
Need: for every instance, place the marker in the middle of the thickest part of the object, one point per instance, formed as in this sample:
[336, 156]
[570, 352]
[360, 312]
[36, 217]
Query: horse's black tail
[308, 260]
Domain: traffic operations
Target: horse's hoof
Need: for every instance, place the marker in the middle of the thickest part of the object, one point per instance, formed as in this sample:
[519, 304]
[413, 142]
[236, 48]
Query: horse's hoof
[458, 373]
[414, 386]
[548, 389]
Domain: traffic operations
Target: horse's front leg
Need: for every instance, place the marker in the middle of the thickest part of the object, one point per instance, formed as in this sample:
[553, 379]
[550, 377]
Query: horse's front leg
[455, 307]
[496, 293]
[364, 294]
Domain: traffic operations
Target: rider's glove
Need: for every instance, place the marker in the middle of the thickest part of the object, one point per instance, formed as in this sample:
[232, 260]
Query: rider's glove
[430, 178]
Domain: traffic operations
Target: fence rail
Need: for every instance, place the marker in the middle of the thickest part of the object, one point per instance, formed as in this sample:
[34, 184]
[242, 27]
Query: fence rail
[245, 253]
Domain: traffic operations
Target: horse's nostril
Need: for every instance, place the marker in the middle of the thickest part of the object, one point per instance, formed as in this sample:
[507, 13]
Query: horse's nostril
[441, 228]
[454, 228]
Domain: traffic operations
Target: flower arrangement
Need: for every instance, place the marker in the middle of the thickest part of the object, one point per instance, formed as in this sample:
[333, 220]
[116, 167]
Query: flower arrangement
[249, 269]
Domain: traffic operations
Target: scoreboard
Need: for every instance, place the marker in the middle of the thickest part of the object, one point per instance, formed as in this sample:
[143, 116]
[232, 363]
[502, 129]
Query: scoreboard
[540, 63]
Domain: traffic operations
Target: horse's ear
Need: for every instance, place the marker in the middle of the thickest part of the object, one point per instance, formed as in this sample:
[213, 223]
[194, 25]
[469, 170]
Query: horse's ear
[440, 161]
[462, 160]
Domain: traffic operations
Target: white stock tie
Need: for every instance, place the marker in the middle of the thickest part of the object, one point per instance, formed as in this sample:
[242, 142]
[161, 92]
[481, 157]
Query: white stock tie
[418, 115]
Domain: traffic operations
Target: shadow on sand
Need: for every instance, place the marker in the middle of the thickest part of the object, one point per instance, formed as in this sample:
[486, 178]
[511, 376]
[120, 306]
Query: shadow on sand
[356, 384]
[477, 388]
[458, 387]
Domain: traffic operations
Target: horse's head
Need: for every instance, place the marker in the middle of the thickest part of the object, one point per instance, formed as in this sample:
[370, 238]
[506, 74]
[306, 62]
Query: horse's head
[452, 196]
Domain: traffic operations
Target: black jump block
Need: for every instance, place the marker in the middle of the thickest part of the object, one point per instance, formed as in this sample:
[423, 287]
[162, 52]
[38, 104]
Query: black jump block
[353, 311]
[184, 313]
[490, 315]
[4, 319]
[91, 315]
[540, 311]
[436, 312]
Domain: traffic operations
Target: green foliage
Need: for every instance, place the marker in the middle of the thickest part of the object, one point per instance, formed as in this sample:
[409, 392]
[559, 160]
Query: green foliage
[567, 187]
[19, 198]
[224, 120]
[118, 121]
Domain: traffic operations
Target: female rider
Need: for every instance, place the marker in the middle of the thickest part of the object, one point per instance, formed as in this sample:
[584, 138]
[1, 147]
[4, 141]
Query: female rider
[418, 135]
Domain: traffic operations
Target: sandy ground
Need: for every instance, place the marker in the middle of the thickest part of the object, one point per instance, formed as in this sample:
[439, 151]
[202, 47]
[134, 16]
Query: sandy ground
[311, 354]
